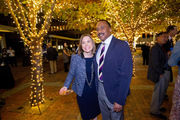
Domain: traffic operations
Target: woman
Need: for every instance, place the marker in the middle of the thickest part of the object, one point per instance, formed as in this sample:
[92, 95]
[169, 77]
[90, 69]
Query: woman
[66, 56]
[173, 61]
[81, 68]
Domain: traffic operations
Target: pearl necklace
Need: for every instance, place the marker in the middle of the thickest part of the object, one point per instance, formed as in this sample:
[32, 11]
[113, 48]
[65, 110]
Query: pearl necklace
[92, 71]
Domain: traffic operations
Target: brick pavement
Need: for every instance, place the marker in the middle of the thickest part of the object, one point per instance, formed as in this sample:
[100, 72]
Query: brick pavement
[58, 107]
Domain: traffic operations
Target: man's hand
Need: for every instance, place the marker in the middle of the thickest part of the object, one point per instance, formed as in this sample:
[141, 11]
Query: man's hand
[169, 54]
[117, 107]
[161, 76]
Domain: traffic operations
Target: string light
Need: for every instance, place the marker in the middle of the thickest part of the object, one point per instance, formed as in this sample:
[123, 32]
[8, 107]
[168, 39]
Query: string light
[26, 21]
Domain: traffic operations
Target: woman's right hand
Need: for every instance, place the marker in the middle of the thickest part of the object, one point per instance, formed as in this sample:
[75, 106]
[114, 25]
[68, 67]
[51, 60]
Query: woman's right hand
[62, 90]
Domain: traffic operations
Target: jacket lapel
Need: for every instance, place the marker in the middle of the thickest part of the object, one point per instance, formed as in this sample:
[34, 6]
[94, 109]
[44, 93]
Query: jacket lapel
[110, 48]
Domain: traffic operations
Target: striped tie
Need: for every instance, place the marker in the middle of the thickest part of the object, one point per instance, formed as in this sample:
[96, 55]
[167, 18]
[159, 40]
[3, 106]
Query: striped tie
[101, 62]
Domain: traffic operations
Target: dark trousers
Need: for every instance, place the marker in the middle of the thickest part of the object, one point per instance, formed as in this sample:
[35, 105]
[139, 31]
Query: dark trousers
[66, 67]
[145, 60]
[13, 61]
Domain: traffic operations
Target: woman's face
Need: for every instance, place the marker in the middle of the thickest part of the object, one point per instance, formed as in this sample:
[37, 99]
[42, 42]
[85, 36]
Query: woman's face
[87, 44]
[65, 44]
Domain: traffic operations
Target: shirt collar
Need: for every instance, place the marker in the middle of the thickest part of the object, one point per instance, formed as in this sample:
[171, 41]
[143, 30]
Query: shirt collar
[108, 40]
[170, 38]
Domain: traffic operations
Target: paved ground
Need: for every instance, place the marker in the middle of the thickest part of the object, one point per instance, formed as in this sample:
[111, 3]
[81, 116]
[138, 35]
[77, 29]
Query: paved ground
[58, 107]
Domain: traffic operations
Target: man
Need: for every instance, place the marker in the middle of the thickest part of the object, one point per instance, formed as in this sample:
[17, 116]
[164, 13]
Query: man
[158, 72]
[12, 57]
[172, 31]
[145, 53]
[52, 55]
[113, 74]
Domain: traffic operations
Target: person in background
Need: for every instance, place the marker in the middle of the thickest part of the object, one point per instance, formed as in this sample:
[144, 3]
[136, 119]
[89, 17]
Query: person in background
[12, 57]
[44, 54]
[26, 56]
[174, 60]
[158, 72]
[52, 55]
[143, 49]
[82, 69]
[145, 53]
[172, 31]
[5, 58]
[148, 45]
[66, 57]
[76, 47]
[113, 72]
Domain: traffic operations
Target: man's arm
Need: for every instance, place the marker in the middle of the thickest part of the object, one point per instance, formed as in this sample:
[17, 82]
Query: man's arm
[126, 67]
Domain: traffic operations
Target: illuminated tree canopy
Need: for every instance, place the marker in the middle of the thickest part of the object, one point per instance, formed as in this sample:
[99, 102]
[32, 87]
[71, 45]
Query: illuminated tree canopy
[129, 18]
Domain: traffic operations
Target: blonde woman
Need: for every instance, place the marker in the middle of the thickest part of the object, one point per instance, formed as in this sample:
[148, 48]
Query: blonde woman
[81, 68]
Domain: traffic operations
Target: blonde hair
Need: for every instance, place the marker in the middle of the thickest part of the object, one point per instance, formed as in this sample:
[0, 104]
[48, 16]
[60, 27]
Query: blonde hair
[80, 50]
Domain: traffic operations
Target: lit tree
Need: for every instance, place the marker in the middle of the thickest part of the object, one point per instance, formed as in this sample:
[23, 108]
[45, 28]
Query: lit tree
[25, 15]
[132, 17]
[169, 17]
[79, 14]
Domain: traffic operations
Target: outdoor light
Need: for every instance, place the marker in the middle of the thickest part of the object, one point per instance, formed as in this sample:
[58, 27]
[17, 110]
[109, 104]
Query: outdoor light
[26, 21]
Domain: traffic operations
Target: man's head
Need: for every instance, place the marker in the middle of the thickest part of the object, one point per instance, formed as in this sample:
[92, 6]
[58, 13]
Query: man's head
[103, 30]
[162, 38]
[172, 30]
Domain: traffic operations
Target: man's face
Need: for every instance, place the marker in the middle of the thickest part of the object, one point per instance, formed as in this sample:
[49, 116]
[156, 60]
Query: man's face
[174, 32]
[162, 39]
[103, 30]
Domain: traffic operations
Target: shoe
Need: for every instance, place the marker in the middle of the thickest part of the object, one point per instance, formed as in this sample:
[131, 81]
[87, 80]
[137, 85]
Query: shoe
[162, 109]
[159, 116]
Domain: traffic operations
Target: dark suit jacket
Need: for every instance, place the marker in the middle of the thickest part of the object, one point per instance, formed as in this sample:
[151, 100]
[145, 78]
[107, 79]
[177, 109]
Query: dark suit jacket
[117, 71]
[52, 54]
[157, 63]
[143, 48]
[168, 45]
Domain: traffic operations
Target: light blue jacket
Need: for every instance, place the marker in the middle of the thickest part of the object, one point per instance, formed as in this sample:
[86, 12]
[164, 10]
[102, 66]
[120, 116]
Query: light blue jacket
[175, 56]
[77, 72]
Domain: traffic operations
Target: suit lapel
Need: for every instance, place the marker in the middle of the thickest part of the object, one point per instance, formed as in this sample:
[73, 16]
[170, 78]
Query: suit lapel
[109, 49]
[162, 49]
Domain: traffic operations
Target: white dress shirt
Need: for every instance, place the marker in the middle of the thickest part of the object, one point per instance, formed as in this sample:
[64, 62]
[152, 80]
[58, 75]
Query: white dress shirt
[107, 43]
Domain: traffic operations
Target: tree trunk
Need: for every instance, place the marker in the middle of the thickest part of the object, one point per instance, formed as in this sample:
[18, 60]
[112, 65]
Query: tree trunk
[132, 52]
[37, 91]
